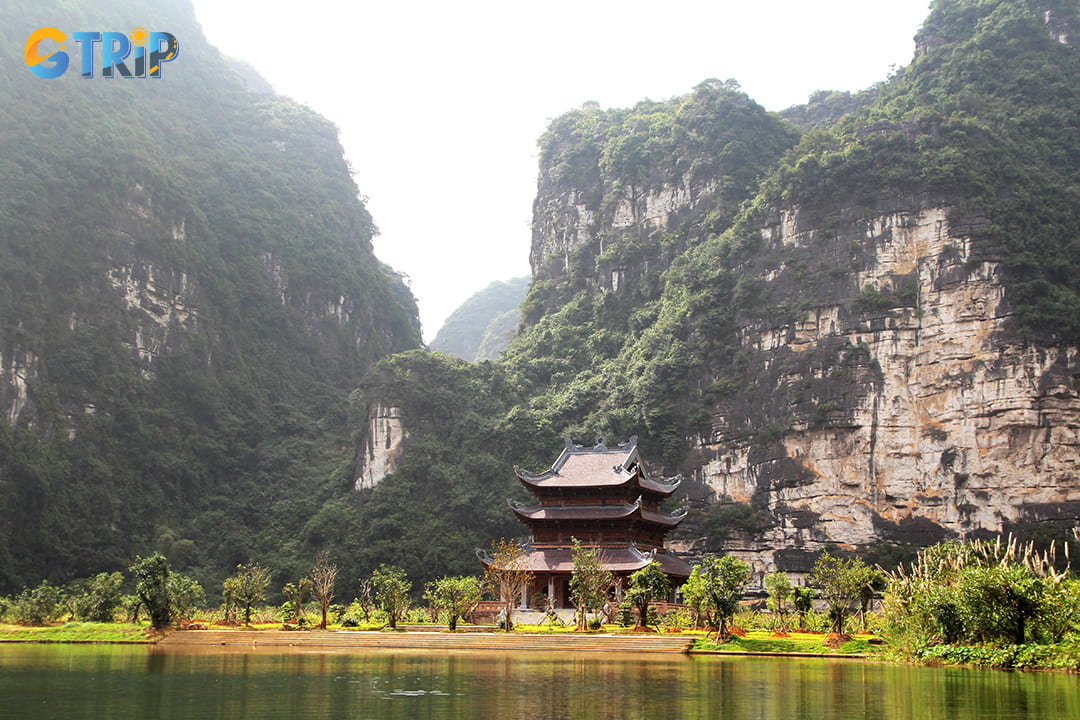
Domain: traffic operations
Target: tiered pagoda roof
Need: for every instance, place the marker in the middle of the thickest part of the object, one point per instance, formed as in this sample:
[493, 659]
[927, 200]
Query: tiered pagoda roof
[597, 467]
[602, 497]
[566, 513]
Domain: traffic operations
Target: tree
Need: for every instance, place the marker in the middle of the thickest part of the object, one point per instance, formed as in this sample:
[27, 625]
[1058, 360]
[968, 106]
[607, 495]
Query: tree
[725, 580]
[185, 595]
[506, 575]
[248, 587]
[778, 586]
[152, 586]
[647, 584]
[70, 595]
[323, 577]
[391, 588]
[872, 582]
[803, 600]
[230, 588]
[294, 594]
[840, 581]
[366, 598]
[455, 596]
[589, 582]
[100, 597]
[693, 591]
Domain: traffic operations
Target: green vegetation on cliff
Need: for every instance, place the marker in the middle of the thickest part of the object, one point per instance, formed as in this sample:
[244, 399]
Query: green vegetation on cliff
[581, 342]
[714, 144]
[986, 119]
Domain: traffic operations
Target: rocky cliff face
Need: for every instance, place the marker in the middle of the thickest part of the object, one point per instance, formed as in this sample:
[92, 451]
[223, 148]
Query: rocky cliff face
[570, 219]
[381, 446]
[862, 354]
[893, 405]
[903, 424]
[622, 192]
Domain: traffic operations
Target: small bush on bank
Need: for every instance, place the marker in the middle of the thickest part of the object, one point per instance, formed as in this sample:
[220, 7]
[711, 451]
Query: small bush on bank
[37, 606]
[1064, 656]
[995, 595]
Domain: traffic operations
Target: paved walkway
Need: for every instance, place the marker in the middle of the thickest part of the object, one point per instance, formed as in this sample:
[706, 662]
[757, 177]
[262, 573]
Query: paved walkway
[561, 642]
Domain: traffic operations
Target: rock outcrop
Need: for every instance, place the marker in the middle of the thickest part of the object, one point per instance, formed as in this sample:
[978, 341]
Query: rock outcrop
[381, 448]
[569, 219]
[924, 422]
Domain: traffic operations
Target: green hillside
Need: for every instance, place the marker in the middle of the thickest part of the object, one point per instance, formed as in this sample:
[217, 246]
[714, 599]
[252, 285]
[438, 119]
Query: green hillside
[483, 325]
[985, 119]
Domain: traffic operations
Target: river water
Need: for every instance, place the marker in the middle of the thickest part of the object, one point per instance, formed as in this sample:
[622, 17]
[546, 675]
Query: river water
[144, 683]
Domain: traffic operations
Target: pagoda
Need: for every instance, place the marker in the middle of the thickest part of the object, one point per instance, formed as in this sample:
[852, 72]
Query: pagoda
[602, 497]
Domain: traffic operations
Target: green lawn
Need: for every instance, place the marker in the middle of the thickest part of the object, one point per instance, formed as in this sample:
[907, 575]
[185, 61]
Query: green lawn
[77, 632]
[762, 641]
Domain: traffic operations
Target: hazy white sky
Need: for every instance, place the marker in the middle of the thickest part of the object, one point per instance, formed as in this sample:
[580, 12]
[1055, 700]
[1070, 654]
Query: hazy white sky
[440, 103]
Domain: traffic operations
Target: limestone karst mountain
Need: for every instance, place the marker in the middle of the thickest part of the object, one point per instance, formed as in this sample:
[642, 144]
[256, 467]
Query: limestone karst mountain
[187, 296]
[861, 332]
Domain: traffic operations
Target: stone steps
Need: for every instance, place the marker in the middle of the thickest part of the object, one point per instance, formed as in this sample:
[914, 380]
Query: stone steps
[563, 642]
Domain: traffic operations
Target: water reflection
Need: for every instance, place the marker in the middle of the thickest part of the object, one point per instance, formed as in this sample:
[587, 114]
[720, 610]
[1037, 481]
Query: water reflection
[135, 682]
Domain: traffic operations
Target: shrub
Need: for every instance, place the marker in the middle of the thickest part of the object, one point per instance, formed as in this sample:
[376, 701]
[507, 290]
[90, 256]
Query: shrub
[37, 606]
[101, 597]
[185, 596]
[842, 583]
[678, 618]
[151, 584]
[779, 588]
[979, 592]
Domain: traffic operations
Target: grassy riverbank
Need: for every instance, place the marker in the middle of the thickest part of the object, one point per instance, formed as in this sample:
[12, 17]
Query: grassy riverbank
[758, 641]
[78, 632]
[1063, 656]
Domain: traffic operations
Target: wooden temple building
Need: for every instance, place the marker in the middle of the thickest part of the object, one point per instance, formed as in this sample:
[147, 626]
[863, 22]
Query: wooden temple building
[602, 497]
